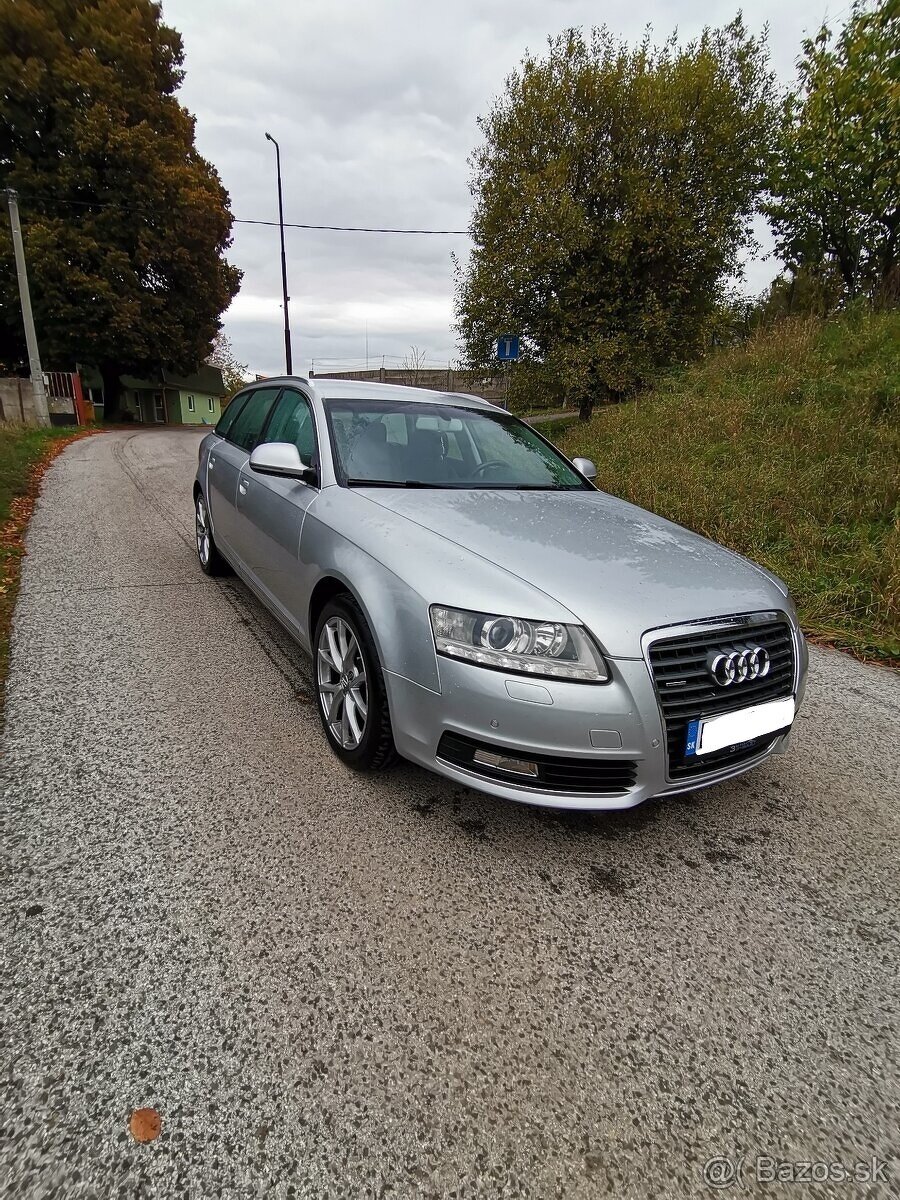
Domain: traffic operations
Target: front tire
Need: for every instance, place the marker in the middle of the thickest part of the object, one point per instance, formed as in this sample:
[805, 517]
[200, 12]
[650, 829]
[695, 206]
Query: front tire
[211, 561]
[351, 697]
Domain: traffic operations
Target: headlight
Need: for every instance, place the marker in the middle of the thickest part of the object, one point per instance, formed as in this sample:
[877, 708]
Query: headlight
[514, 644]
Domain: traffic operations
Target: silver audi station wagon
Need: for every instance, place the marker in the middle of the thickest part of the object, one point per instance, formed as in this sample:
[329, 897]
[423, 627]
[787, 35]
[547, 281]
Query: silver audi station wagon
[472, 602]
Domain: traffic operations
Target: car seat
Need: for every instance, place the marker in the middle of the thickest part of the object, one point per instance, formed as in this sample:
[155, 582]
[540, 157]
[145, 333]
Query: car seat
[370, 456]
[425, 456]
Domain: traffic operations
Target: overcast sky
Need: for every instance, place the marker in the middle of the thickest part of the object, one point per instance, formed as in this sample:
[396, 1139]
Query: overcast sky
[374, 103]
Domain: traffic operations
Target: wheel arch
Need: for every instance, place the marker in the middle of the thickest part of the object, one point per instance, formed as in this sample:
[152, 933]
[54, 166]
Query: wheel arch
[326, 589]
[389, 618]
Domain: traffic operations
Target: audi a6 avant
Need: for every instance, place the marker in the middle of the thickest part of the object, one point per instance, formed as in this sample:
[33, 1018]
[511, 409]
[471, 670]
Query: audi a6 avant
[473, 603]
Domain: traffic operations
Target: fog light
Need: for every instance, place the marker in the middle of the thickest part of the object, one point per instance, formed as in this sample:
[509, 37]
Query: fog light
[500, 762]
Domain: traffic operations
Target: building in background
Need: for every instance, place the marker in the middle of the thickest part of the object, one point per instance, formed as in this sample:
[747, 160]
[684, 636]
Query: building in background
[168, 399]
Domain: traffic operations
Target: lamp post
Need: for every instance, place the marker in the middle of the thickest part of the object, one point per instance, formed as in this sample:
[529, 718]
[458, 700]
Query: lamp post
[287, 321]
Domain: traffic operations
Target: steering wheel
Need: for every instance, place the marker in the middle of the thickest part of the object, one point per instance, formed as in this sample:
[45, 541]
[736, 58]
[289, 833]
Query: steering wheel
[491, 465]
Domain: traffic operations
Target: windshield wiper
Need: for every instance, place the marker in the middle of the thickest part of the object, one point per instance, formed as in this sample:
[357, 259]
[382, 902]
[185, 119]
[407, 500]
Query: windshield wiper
[393, 483]
[524, 487]
[467, 485]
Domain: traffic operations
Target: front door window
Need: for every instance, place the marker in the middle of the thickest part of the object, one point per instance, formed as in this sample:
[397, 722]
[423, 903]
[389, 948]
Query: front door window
[292, 421]
[159, 407]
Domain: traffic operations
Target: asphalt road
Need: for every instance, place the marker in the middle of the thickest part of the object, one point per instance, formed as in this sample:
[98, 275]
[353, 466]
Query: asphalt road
[330, 984]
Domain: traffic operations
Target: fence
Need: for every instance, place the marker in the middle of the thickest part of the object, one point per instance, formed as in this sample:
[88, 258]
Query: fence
[65, 400]
[16, 401]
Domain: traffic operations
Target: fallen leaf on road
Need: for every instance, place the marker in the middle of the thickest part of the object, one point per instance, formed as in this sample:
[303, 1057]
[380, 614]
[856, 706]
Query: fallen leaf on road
[145, 1124]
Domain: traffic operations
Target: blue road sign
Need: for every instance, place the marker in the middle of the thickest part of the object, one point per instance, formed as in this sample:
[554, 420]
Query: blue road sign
[508, 348]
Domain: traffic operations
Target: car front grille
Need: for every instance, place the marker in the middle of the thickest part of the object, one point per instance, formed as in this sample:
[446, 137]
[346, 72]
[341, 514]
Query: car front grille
[584, 776]
[686, 690]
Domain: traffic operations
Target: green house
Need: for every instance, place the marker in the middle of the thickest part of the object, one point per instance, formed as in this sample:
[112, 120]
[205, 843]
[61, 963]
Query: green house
[167, 400]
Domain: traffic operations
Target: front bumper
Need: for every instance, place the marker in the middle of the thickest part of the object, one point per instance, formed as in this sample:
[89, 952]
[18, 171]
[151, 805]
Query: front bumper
[616, 722]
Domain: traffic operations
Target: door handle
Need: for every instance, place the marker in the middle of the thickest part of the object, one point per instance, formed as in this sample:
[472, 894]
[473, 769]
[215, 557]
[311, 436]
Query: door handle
[243, 484]
[212, 461]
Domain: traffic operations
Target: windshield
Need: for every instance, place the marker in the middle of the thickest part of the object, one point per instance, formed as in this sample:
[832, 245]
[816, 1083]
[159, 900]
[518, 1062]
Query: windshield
[391, 443]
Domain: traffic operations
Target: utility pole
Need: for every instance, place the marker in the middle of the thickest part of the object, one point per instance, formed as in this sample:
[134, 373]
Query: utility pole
[287, 321]
[41, 412]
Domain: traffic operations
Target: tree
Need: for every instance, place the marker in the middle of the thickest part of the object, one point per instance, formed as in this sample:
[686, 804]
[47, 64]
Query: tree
[836, 174]
[613, 192]
[413, 363]
[810, 289]
[125, 224]
[234, 374]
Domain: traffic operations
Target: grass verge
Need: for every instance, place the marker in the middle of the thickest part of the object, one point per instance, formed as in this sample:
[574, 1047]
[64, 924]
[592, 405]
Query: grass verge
[786, 449]
[25, 453]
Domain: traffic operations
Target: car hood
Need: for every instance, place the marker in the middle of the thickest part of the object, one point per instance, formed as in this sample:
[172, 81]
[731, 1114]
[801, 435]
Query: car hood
[619, 569]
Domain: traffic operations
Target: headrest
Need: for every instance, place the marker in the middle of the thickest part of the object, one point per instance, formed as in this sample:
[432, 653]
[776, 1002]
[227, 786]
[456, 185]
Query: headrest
[375, 431]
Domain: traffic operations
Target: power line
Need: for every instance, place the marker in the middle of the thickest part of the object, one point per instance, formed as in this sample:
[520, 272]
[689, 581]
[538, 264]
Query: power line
[349, 358]
[352, 228]
[250, 221]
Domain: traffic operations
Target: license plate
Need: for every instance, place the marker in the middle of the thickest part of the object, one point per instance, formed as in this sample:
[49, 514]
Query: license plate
[708, 734]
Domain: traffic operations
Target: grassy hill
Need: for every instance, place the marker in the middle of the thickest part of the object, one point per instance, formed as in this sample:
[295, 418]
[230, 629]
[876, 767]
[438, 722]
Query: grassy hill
[787, 449]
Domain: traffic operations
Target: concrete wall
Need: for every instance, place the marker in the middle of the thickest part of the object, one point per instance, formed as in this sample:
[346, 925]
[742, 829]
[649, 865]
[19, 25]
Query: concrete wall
[437, 379]
[16, 401]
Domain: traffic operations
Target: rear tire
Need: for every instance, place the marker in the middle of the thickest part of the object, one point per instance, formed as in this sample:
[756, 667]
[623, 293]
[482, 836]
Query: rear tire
[350, 694]
[211, 561]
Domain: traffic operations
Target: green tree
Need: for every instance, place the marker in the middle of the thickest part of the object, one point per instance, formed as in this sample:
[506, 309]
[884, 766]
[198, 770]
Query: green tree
[125, 224]
[836, 173]
[234, 373]
[613, 193]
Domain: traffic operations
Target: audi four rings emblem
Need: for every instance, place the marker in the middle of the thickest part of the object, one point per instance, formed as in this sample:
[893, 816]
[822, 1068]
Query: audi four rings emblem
[739, 664]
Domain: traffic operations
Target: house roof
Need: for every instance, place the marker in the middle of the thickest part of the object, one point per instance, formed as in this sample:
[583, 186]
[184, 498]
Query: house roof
[207, 379]
[136, 385]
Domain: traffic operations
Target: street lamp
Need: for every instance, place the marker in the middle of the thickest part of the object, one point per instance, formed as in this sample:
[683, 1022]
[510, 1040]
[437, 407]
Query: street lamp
[287, 321]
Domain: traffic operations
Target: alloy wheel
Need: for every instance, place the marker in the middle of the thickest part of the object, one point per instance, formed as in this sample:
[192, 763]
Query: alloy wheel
[202, 529]
[342, 683]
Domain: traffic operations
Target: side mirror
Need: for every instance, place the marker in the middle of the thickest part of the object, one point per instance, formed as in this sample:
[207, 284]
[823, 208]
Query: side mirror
[281, 458]
[584, 465]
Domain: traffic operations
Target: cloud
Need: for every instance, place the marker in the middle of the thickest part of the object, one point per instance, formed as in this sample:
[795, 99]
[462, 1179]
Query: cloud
[375, 107]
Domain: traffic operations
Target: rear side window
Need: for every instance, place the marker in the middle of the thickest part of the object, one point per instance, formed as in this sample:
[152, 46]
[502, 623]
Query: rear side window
[229, 416]
[250, 420]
